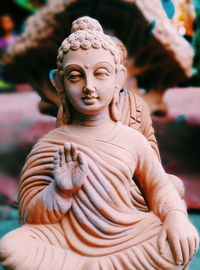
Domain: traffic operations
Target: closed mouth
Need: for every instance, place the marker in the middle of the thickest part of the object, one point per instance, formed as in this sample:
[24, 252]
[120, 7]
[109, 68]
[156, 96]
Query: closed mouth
[89, 100]
[90, 97]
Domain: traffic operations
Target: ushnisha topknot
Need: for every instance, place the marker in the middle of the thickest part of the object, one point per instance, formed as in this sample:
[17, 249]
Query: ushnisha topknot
[86, 33]
[86, 23]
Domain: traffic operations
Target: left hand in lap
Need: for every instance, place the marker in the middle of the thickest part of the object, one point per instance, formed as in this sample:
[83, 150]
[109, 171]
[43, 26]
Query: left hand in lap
[181, 236]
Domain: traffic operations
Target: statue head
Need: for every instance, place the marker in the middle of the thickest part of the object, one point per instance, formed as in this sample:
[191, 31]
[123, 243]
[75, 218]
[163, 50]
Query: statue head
[89, 71]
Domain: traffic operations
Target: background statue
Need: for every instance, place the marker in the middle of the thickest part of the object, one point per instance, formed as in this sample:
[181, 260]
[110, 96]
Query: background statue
[76, 199]
[153, 44]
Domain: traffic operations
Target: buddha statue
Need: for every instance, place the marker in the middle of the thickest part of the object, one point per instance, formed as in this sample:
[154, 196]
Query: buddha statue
[79, 204]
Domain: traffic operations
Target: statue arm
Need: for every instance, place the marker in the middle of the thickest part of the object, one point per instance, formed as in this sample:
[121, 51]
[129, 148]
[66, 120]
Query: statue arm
[158, 191]
[164, 201]
[40, 202]
[143, 123]
[147, 130]
[48, 206]
[49, 179]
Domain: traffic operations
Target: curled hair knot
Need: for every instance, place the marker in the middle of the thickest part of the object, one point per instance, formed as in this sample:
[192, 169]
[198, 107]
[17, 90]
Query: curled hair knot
[86, 23]
[87, 33]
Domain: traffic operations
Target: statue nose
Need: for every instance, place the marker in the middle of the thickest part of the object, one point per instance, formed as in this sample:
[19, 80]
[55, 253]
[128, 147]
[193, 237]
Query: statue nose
[88, 89]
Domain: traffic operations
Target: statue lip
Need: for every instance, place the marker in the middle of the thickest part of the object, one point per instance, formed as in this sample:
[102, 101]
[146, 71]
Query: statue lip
[89, 97]
[89, 100]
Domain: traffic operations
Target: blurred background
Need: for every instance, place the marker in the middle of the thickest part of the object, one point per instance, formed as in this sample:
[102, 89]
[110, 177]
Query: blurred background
[162, 38]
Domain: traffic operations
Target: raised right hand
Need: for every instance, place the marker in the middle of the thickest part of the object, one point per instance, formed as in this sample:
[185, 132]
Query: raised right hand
[70, 169]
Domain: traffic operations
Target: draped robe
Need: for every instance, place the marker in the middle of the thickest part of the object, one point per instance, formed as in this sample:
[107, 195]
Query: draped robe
[102, 225]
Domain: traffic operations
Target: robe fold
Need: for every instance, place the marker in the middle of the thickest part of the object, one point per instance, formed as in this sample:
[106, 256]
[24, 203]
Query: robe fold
[102, 225]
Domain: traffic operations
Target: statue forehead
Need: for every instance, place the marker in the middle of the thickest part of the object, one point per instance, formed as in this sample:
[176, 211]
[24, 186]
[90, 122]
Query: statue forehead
[89, 57]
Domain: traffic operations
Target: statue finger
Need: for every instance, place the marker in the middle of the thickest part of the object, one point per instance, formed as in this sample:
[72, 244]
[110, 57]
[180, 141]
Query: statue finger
[176, 250]
[82, 162]
[185, 250]
[73, 152]
[61, 156]
[67, 147]
[192, 248]
[162, 241]
[56, 161]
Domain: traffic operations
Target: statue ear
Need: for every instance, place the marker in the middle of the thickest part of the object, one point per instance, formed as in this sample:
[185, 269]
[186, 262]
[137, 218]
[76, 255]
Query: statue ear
[121, 76]
[56, 80]
[64, 113]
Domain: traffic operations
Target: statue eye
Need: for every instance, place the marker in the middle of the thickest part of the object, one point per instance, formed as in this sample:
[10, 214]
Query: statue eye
[74, 76]
[101, 73]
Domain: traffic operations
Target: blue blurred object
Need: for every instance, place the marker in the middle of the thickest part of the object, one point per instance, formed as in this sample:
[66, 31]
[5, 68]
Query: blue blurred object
[197, 5]
[181, 118]
[169, 8]
[149, 30]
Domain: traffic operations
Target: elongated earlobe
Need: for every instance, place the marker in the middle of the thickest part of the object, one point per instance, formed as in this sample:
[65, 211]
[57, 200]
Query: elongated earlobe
[115, 111]
[64, 115]
[60, 120]
[56, 80]
[64, 111]
[121, 76]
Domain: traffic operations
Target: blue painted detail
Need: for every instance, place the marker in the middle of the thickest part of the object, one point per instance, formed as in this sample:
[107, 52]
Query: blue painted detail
[51, 74]
[169, 8]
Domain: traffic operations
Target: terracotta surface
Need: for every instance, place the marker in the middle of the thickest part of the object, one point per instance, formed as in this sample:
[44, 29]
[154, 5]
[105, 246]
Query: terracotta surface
[153, 44]
[78, 202]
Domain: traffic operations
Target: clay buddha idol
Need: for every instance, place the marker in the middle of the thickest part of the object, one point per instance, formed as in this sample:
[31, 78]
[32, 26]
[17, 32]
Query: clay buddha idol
[75, 199]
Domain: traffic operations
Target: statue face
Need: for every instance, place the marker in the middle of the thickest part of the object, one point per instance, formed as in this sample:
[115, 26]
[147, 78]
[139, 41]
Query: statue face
[89, 79]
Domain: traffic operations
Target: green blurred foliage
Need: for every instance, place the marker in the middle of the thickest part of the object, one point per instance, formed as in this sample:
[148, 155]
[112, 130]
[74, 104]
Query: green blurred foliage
[31, 5]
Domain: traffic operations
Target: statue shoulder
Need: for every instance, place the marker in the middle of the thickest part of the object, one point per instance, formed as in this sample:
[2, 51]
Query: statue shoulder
[130, 138]
[53, 137]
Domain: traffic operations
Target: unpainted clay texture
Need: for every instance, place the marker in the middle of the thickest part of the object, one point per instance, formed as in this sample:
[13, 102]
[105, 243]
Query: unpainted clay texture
[158, 57]
[93, 194]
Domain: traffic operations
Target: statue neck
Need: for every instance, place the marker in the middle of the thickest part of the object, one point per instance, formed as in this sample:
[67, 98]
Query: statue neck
[95, 120]
[92, 126]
